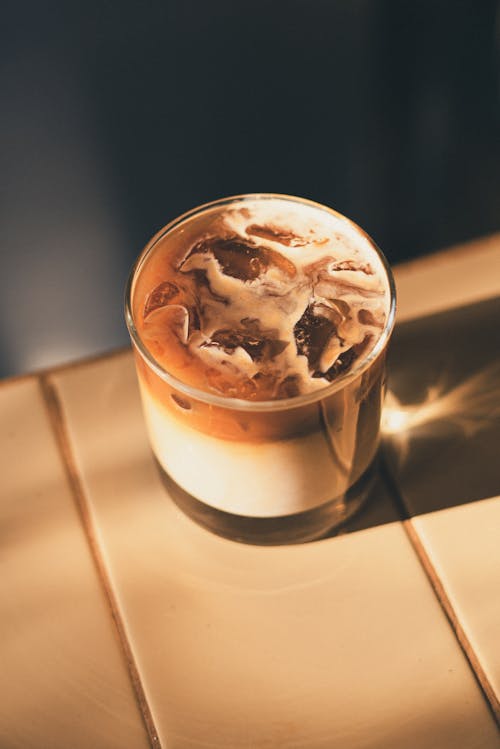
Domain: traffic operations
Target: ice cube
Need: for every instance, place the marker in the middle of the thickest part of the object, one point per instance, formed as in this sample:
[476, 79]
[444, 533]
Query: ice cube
[346, 359]
[342, 363]
[289, 387]
[260, 345]
[312, 333]
[163, 294]
[265, 383]
[230, 383]
[173, 318]
[238, 259]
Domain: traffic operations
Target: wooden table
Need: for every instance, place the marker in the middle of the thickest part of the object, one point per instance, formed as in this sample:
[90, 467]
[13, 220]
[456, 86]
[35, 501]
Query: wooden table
[126, 625]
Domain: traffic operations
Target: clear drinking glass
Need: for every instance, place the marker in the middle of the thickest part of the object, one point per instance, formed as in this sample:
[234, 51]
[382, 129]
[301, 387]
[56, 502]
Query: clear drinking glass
[275, 471]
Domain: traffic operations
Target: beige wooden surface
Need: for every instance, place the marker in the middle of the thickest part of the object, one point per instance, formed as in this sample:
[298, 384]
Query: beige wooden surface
[124, 624]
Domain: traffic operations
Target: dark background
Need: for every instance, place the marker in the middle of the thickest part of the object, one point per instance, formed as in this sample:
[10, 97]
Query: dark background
[118, 116]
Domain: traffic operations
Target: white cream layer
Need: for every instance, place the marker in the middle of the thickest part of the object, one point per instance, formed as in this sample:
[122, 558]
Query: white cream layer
[266, 479]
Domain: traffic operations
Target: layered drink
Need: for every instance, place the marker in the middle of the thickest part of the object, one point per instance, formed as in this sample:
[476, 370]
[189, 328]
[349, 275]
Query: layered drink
[260, 325]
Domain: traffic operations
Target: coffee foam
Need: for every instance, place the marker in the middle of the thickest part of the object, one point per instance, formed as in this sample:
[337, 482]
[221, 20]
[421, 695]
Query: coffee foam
[264, 299]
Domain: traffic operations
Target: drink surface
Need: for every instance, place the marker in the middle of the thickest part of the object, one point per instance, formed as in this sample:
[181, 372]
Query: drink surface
[261, 299]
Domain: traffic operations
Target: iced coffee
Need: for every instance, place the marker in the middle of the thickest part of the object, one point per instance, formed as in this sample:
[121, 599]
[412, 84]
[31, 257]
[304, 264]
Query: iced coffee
[260, 325]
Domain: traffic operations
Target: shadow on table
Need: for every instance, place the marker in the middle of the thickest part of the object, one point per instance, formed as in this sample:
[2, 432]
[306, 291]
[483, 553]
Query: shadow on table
[380, 507]
[442, 414]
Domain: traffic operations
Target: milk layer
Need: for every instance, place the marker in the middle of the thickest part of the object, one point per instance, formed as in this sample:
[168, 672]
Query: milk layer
[258, 479]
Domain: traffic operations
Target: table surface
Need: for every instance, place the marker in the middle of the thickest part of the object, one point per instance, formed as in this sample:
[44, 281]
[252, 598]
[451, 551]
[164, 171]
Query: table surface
[124, 624]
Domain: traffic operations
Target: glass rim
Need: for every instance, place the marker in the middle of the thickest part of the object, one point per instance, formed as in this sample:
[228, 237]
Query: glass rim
[240, 404]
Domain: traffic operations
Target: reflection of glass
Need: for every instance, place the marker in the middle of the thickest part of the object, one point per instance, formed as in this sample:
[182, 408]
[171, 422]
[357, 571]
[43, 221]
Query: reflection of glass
[267, 471]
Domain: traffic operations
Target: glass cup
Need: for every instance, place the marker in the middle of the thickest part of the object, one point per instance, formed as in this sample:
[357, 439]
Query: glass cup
[265, 472]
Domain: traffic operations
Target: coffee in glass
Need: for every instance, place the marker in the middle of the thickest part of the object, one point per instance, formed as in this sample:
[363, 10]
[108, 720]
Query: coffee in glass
[260, 325]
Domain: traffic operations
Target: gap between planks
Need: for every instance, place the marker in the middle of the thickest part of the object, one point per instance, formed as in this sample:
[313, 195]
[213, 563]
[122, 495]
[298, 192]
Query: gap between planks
[453, 619]
[60, 430]
[440, 593]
